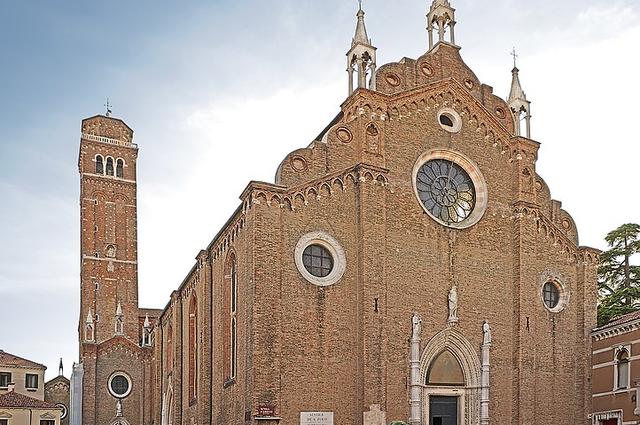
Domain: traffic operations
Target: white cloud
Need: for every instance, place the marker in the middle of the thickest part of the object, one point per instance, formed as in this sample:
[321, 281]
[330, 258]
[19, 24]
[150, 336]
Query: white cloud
[238, 140]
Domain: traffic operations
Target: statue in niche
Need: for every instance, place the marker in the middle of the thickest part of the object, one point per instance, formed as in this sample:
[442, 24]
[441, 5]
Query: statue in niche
[416, 325]
[486, 330]
[118, 408]
[453, 304]
[111, 251]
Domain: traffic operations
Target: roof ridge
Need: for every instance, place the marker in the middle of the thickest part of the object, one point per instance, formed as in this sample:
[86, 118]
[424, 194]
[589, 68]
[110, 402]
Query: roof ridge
[16, 357]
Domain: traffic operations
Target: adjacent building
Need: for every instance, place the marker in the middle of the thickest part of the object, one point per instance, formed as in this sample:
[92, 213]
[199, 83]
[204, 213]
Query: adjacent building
[22, 393]
[409, 264]
[616, 371]
[57, 391]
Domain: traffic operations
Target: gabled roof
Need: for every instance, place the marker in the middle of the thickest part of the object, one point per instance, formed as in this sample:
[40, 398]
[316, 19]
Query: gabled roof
[58, 378]
[16, 400]
[11, 360]
[629, 317]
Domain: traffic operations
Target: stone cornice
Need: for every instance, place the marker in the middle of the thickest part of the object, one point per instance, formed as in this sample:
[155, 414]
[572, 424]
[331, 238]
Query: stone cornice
[608, 332]
[589, 256]
[298, 196]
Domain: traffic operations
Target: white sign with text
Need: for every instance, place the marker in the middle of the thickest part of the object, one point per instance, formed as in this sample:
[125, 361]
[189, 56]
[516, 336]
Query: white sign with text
[316, 418]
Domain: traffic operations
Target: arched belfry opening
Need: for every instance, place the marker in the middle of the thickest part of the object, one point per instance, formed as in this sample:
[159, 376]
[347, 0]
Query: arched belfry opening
[450, 372]
[441, 18]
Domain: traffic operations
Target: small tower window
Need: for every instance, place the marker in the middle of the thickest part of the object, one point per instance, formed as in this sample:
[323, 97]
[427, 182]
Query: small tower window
[99, 165]
[120, 168]
[109, 166]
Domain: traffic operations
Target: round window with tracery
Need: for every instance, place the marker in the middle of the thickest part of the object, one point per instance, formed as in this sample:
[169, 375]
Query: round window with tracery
[317, 260]
[119, 385]
[446, 190]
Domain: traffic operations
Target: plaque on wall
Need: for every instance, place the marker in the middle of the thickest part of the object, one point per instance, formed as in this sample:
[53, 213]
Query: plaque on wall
[266, 410]
[316, 418]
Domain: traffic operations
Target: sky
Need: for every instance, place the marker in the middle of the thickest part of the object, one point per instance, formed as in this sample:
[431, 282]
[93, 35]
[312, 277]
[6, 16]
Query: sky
[218, 92]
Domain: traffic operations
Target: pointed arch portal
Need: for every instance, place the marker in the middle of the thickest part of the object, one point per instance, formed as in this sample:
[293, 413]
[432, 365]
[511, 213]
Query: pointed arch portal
[450, 372]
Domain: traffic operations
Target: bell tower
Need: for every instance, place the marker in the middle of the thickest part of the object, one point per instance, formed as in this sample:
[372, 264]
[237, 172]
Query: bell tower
[108, 243]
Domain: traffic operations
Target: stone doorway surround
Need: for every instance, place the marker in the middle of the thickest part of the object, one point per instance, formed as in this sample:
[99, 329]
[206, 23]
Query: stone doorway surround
[452, 340]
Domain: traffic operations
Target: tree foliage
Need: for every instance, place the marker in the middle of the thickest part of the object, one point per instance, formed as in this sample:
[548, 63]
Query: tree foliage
[618, 278]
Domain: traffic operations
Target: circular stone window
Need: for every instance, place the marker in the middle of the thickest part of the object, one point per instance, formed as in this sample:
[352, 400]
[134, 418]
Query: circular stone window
[450, 188]
[64, 410]
[555, 297]
[119, 385]
[450, 120]
[320, 259]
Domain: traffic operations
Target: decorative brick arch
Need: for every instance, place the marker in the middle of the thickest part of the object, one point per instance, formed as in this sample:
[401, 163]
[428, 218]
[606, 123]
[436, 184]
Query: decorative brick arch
[455, 342]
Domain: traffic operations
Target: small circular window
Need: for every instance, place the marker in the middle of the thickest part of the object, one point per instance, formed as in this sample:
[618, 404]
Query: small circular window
[450, 120]
[119, 385]
[555, 295]
[320, 259]
[317, 260]
[64, 410]
[551, 295]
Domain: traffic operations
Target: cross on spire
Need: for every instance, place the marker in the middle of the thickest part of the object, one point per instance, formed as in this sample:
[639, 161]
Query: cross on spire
[515, 56]
[108, 106]
[360, 4]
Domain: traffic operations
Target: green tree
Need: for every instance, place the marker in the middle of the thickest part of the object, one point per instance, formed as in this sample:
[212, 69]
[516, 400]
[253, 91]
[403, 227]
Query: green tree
[618, 279]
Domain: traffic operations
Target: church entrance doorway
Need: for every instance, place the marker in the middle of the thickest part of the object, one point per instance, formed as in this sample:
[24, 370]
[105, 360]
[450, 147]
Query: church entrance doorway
[443, 410]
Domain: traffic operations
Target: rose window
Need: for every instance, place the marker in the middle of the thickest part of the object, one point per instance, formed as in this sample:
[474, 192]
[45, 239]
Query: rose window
[446, 190]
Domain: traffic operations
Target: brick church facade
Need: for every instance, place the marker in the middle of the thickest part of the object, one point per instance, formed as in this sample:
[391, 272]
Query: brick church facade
[408, 264]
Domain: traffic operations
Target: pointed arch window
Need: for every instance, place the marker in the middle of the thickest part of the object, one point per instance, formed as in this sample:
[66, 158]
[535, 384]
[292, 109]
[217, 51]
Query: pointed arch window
[231, 318]
[193, 348]
[89, 332]
[622, 369]
[120, 168]
[169, 356]
[109, 167]
[119, 325]
[99, 165]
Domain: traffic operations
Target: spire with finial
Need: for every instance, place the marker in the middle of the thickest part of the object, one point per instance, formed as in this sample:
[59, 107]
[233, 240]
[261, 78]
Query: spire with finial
[60, 368]
[361, 29]
[441, 16]
[361, 58]
[517, 101]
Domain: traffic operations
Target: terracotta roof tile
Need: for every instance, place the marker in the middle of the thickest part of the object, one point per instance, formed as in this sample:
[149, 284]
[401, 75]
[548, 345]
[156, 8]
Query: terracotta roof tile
[629, 317]
[8, 359]
[16, 400]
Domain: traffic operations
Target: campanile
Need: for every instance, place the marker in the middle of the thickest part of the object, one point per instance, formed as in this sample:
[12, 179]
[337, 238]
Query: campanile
[109, 269]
